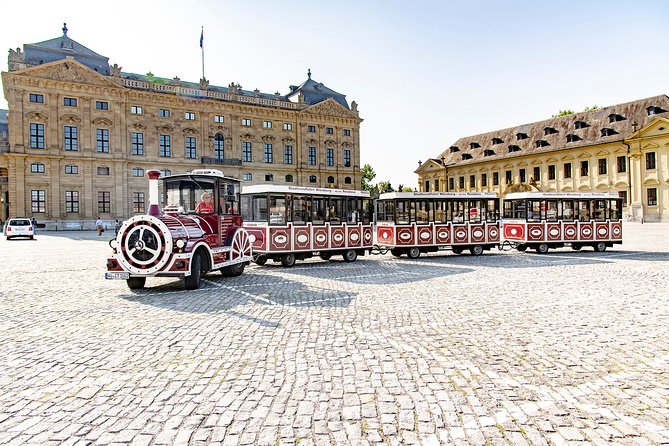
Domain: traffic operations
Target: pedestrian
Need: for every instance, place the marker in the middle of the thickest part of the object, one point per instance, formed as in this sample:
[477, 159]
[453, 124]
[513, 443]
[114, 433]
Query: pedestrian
[117, 227]
[33, 222]
[100, 226]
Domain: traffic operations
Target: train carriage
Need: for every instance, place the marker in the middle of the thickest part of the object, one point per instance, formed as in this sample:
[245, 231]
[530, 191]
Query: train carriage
[412, 223]
[289, 223]
[198, 231]
[545, 220]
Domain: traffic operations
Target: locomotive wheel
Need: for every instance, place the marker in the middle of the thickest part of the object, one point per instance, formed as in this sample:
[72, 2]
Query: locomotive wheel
[325, 255]
[600, 247]
[233, 270]
[192, 282]
[456, 250]
[396, 252]
[576, 246]
[476, 250]
[260, 260]
[350, 255]
[521, 248]
[288, 260]
[542, 248]
[413, 253]
[136, 283]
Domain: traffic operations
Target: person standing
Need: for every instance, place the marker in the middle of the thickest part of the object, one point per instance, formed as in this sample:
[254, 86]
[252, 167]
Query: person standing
[33, 222]
[100, 226]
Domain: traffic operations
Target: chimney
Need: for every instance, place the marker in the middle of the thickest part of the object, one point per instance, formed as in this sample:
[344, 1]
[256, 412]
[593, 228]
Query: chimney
[154, 203]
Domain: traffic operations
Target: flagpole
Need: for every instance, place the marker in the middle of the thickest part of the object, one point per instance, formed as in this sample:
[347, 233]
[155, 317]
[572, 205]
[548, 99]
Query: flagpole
[202, 47]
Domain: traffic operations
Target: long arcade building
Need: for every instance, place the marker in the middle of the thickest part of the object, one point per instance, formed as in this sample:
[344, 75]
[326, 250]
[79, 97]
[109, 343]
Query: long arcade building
[81, 134]
[622, 148]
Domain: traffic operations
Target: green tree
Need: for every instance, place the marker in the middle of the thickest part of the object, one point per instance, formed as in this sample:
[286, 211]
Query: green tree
[593, 108]
[368, 175]
[563, 113]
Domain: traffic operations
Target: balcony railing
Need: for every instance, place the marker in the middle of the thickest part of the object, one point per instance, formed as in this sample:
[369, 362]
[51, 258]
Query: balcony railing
[222, 162]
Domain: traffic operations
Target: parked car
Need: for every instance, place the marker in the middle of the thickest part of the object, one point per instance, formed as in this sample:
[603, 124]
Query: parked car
[19, 227]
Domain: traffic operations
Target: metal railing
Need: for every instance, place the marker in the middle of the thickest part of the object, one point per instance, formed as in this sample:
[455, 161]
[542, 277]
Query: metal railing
[222, 162]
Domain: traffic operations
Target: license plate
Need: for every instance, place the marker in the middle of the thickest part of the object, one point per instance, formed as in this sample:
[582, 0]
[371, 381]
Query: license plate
[117, 275]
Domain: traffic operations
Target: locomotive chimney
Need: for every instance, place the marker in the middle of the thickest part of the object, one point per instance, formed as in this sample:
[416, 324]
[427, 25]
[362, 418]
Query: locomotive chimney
[154, 202]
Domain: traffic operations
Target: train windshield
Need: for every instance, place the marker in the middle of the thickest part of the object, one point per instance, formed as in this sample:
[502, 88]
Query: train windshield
[190, 196]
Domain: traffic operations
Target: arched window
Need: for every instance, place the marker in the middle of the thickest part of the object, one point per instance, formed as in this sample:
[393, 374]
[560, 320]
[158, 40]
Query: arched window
[269, 177]
[165, 173]
[247, 176]
[289, 178]
[37, 168]
[312, 179]
[330, 180]
[219, 146]
[347, 180]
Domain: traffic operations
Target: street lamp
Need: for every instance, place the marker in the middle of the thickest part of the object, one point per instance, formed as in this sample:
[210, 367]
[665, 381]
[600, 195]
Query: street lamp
[629, 167]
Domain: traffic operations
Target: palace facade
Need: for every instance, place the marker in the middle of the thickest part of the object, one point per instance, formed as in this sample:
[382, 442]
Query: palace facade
[80, 135]
[622, 149]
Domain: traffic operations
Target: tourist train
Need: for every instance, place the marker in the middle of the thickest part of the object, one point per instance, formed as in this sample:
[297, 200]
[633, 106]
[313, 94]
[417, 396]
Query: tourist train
[209, 223]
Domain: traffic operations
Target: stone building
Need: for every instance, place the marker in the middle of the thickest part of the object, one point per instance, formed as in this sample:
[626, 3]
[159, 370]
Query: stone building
[82, 134]
[623, 148]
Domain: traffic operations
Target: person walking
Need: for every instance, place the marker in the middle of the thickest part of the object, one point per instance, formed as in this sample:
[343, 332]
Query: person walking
[100, 226]
[117, 227]
[33, 222]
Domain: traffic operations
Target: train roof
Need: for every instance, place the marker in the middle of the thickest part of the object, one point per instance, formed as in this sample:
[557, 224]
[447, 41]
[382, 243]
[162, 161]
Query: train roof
[409, 195]
[540, 195]
[302, 190]
[212, 173]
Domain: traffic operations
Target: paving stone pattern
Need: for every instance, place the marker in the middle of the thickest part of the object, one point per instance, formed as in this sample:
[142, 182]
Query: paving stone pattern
[567, 348]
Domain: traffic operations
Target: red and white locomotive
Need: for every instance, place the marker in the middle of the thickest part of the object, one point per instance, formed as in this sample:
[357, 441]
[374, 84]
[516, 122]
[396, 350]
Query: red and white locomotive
[199, 231]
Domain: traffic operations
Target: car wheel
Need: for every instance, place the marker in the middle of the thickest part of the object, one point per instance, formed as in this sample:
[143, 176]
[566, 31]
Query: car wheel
[233, 270]
[600, 247]
[413, 253]
[192, 282]
[576, 246]
[476, 250]
[325, 255]
[288, 260]
[456, 250]
[396, 252]
[136, 283]
[350, 255]
[521, 248]
[542, 248]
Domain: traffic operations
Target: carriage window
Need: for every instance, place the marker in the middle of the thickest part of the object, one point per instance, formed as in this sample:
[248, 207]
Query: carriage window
[475, 211]
[386, 211]
[423, 211]
[551, 210]
[601, 210]
[277, 209]
[258, 208]
[492, 212]
[229, 198]
[367, 211]
[246, 207]
[458, 211]
[318, 210]
[584, 210]
[440, 211]
[301, 209]
[534, 210]
[615, 210]
[568, 210]
[334, 210]
[514, 209]
[351, 210]
[402, 211]
[186, 195]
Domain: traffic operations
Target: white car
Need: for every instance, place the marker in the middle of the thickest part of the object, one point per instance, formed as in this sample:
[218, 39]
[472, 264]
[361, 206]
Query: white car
[19, 227]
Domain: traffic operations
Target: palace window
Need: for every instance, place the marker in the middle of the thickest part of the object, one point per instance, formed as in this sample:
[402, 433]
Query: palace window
[581, 125]
[269, 155]
[521, 136]
[551, 172]
[138, 203]
[312, 156]
[614, 117]
[289, 178]
[522, 175]
[347, 132]
[36, 136]
[651, 193]
[329, 156]
[191, 147]
[189, 116]
[71, 169]
[484, 180]
[329, 130]
[246, 122]
[137, 172]
[312, 178]
[451, 183]
[287, 154]
[584, 168]
[509, 177]
[38, 201]
[287, 126]
[654, 110]
[37, 98]
[101, 105]
[621, 164]
[104, 202]
[70, 102]
[71, 142]
[537, 173]
[602, 166]
[165, 143]
[219, 118]
[331, 180]
[542, 143]
[347, 180]
[267, 124]
[246, 151]
[573, 138]
[137, 143]
[495, 178]
[650, 161]
[165, 173]
[461, 182]
[165, 113]
[219, 146]
[135, 110]
[608, 132]
[514, 148]
[102, 138]
[623, 194]
[247, 176]
[472, 181]
[311, 128]
[488, 152]
[37, 168]
[103, 170]
[269, 177]
[549, 131]
[72, 201]
[496, 141]
[474, 145]
[567, 170]
[466, 156]
[454, 149]
[347, 158]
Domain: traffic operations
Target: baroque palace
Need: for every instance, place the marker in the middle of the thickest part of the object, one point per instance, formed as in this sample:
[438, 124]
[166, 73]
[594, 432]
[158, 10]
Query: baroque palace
[80, 135]
[622, 149]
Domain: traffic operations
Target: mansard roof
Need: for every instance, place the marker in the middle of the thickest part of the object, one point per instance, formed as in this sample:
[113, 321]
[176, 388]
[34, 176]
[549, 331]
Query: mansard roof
[315, 92]
[592, 127]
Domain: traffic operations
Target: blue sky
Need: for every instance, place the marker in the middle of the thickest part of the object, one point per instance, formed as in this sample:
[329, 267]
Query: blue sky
[424, 73]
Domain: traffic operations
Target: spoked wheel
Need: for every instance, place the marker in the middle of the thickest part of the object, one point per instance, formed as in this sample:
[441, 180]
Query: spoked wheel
[136, 283]
[233, 270]
[260, 260]
[476, 250]
[576, 246]
[325, 255]
[192, 282]
[413, 253]
[396, 252]
[288, 260]
[600, 247]
[350, 255]
[456, 250]
[542, 248]
[521, 248]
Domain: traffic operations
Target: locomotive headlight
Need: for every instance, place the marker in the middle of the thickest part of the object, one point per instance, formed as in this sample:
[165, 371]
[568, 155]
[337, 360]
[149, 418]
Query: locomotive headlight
[180, 243]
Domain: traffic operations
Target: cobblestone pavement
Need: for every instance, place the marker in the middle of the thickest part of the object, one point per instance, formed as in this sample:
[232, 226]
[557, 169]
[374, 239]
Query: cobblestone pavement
[567, 348]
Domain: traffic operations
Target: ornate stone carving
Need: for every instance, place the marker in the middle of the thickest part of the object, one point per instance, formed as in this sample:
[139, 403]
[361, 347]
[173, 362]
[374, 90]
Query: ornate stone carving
[234, 88]
[102, 121]
[268, 138]
[70, 119]
[330, 143]
[36, 116]
[191, 131]
[329, 107]
[312, 142]
[165, 128]
[346, 145]
[137, 126]
[288, 140]
[115, 70]
[354, 106]
[204, 84]
[246, 136]
[225, 131]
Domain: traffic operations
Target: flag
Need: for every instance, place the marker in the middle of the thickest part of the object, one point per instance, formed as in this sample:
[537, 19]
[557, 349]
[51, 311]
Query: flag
[202, 38]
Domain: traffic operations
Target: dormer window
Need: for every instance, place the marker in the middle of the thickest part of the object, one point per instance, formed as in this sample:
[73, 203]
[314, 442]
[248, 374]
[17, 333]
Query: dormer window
[454, 149]
[474, 145]
[614, 117]
[549, 131]
[496, 141]
[608, 132]
[466, 156]
[488, 152]
[520, 136]
[581, 125]
[542, 143]
[573, 138]
[514, 148]
[654, 110]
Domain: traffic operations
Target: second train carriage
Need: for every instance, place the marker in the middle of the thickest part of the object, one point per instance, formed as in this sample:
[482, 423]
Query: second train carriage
[289, 223]
[544, 220]
[415, 222]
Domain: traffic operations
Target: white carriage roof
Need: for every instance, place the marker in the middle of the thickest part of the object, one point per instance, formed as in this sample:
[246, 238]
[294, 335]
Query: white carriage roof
[300, 190]
[410, 195]
[202, 173]
[567, 195]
